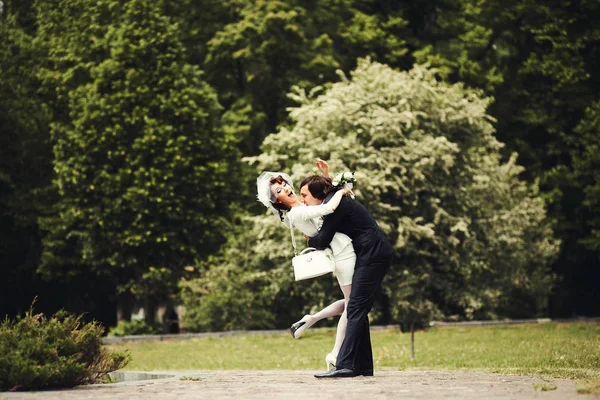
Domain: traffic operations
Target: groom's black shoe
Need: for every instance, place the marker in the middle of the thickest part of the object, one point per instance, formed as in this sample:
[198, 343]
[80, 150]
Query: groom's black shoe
[337, 373]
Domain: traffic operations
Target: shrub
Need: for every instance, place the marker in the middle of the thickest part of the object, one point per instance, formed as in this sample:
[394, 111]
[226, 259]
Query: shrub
[472, 240]
[56, 352]
[135, 327]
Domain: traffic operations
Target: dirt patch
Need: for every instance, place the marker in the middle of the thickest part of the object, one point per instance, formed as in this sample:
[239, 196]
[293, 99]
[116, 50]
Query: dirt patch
[229, 385]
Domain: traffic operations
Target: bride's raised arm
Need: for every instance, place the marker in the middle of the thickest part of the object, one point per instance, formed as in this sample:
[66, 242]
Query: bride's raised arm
[323, 167]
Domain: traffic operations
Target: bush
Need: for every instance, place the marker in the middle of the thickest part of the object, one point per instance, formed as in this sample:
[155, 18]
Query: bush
[471, 238]
[56, 352]
[135, 327]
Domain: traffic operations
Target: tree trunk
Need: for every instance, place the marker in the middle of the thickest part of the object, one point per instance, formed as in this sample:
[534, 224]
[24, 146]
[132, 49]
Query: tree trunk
[124, 307]
[150, 311]
[412, 341]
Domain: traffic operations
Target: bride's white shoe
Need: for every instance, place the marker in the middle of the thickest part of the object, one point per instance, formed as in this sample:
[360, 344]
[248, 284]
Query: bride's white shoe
[330, 359]
[298, 328]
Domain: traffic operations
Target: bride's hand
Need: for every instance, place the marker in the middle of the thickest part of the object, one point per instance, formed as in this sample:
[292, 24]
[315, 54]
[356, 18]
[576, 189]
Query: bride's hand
[323, 167]
[348, 191]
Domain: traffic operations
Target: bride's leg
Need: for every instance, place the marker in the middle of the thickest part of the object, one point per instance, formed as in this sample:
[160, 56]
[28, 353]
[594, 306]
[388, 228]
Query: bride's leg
[345, 272]
[342, 323]
[335, 308]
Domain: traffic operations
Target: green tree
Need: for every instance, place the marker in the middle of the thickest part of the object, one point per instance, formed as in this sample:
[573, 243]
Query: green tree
[536, 59]
[586, 172]
[472, 240]
[199, 21]
[143, 169]
[265, 47]
[25, 161]
[254, 60]
[430, 171]
[374, 29]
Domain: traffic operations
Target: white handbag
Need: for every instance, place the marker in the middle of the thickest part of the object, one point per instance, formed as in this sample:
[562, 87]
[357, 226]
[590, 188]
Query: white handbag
[311, 262]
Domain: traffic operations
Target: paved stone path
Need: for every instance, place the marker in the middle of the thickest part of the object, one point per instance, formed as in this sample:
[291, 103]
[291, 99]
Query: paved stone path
[296, 385]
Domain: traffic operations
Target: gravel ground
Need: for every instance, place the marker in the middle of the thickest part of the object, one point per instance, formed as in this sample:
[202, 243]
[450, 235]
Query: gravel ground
[229, 385]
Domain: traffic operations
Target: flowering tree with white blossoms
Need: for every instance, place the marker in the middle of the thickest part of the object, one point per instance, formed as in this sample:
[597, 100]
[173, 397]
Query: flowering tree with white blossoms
[471, 239]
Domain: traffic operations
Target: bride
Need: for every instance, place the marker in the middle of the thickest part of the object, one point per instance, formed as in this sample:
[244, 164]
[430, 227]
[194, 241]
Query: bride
[276, 192]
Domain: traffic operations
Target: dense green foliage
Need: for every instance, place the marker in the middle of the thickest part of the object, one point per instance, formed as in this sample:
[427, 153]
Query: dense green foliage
[249, 283]
[539, 61]
[56, 352]
[472, 241]
[124, 121]
[139, 159]
[25, 164]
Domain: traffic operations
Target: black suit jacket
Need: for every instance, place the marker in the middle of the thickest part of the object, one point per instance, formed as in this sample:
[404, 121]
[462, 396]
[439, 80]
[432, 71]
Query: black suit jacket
[353, 219]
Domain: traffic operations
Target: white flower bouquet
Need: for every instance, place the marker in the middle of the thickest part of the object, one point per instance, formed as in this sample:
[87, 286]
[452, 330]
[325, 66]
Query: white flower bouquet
[344, 180]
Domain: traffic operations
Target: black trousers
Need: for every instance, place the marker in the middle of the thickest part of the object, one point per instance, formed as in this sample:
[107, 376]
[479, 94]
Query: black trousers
[356, 352]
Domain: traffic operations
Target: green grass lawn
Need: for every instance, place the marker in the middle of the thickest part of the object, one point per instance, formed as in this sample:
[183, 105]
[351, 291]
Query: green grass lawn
[561, 350]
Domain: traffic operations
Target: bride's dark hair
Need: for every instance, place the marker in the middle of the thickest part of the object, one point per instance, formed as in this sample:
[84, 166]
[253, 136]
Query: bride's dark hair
[276, 205]
[319, 186]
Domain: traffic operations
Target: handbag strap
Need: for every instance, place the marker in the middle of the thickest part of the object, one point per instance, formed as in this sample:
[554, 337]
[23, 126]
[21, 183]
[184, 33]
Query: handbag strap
[293, 238]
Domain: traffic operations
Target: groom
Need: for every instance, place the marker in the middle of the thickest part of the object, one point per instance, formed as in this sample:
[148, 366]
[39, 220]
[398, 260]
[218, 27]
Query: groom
[373, 259]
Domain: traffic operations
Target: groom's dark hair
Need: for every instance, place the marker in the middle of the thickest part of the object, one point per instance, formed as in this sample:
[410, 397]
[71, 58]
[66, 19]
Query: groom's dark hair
[319, 186]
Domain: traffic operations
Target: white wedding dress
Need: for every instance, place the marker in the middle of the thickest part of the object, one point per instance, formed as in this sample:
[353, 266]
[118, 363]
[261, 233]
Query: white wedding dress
[308, 219]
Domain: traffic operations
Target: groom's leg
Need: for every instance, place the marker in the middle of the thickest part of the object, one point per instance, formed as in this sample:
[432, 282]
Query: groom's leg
[347, 354]
[356, 352]
[364, 358]
[365, 286]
